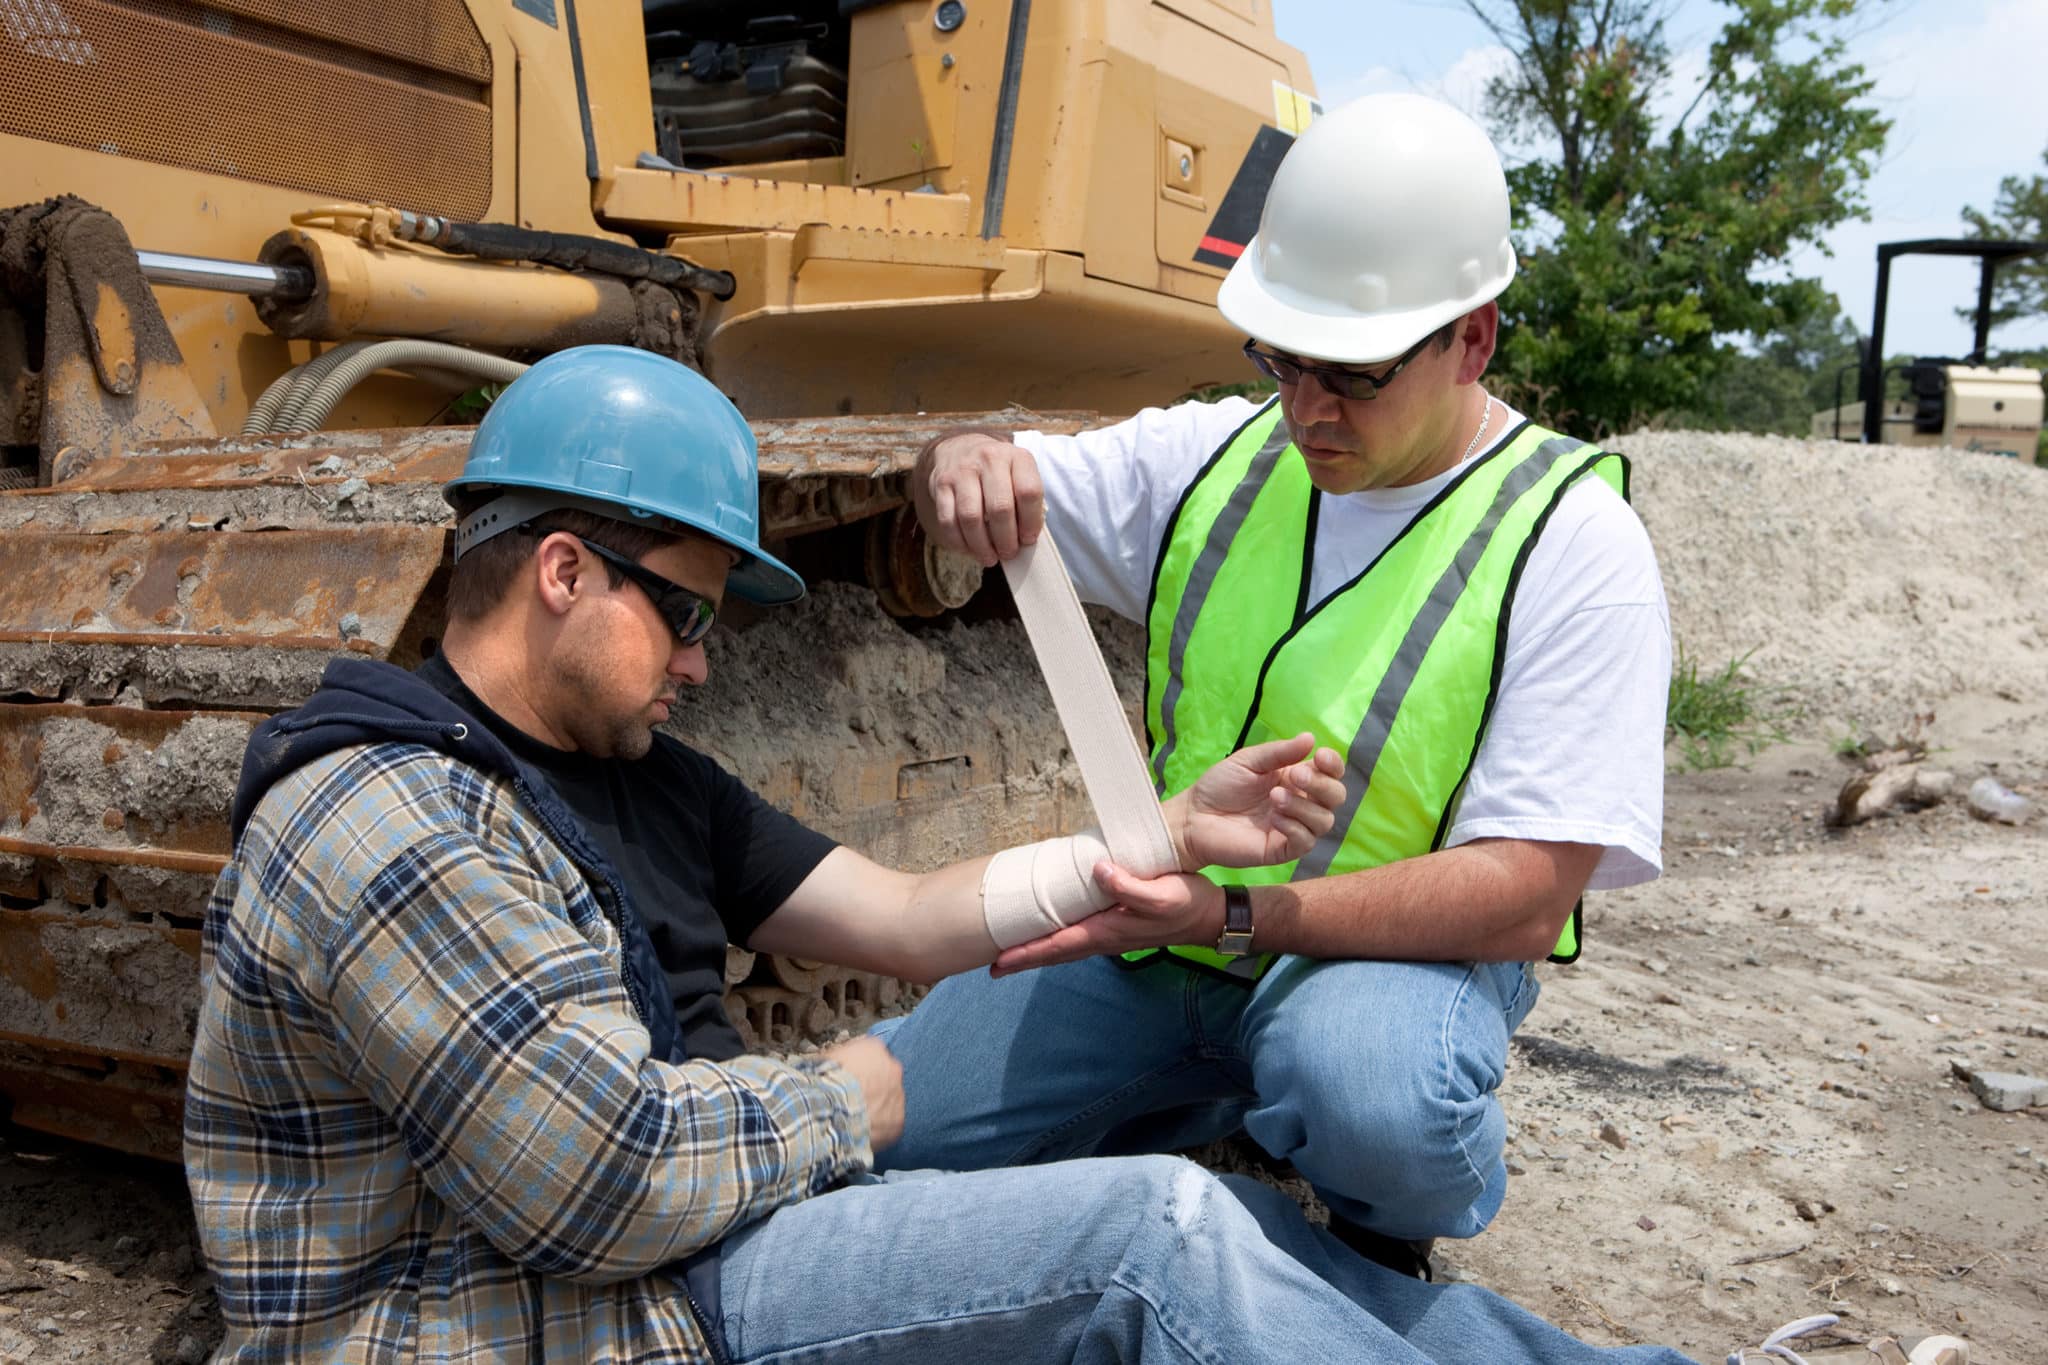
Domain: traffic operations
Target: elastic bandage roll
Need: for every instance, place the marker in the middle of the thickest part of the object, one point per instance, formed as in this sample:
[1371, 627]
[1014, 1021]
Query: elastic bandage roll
[1031, 891]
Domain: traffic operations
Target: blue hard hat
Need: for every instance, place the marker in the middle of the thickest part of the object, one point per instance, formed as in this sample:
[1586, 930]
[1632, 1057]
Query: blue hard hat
[625, 434]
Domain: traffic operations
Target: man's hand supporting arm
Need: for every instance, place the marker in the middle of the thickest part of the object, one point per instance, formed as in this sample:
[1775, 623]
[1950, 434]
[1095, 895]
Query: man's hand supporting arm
[1264, 804]
[1492, 900]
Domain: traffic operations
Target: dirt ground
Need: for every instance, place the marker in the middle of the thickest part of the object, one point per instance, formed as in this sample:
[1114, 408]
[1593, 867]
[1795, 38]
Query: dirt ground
[1741, 1107]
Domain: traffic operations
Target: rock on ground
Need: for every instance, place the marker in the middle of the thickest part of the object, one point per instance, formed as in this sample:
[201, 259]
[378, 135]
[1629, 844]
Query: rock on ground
[2005, 1091]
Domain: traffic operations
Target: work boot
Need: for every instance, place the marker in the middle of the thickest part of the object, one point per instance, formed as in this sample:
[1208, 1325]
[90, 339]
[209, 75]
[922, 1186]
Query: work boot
[1397, 1254]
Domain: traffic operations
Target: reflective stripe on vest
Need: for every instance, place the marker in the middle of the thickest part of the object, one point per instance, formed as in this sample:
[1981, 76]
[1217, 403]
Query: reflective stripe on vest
[1396, 669]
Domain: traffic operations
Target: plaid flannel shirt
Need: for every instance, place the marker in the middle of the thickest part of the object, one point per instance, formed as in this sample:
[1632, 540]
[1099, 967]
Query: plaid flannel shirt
[422, 1122]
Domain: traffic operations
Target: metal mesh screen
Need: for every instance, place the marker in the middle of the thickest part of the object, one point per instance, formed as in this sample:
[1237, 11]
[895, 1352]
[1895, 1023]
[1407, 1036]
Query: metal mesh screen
[437, 35]
[299, 93]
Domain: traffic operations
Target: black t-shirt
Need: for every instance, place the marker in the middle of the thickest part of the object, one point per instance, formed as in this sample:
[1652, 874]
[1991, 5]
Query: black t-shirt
[703, 858]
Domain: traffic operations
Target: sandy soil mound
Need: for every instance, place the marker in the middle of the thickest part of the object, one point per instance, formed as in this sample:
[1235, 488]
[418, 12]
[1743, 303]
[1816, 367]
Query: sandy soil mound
[1869, 582]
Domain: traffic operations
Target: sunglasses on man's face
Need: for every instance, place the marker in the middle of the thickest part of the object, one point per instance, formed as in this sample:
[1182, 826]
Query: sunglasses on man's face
[688, 614]
[1335, 379]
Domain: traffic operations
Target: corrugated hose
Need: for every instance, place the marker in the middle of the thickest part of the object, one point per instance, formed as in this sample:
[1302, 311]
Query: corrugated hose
[301, 399]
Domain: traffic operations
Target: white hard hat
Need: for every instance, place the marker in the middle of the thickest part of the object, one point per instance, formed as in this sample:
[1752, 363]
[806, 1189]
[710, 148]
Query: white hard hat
[1387, 219]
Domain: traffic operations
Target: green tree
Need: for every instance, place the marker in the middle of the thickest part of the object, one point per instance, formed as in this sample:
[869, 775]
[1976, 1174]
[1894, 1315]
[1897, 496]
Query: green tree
[1778, 384]
[1653, 250]
[2020, 213]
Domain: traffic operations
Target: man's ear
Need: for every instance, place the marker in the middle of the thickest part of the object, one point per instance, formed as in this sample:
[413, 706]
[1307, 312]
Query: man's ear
[560, 572]
[1480, 331]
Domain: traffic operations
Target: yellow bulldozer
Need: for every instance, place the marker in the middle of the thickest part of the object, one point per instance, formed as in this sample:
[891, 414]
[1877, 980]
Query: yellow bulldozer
[268, 255]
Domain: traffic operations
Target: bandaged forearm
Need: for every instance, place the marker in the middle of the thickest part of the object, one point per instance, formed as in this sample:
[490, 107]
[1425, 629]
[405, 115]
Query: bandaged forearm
[1029, 891]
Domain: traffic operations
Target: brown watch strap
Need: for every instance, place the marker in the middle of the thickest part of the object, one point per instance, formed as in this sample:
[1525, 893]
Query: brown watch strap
[1236, 939]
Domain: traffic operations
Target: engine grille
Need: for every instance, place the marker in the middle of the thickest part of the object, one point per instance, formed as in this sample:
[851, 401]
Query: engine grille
[390, 104]
[774, 103]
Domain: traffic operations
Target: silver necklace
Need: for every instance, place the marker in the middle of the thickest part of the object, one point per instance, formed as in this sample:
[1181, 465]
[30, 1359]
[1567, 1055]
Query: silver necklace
[1484, 418]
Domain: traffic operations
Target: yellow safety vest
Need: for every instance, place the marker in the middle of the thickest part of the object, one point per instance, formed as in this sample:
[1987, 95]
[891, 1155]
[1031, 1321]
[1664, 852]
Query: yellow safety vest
[1396, 670]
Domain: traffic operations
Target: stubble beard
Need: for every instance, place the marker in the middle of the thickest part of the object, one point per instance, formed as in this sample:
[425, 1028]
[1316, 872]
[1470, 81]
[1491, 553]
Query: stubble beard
[626, 738]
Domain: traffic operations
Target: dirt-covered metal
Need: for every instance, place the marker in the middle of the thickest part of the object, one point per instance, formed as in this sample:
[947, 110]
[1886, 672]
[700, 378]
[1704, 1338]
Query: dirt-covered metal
[155, 605]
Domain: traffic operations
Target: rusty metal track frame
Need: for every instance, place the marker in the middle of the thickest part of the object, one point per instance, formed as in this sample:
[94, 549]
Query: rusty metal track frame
[177, 546]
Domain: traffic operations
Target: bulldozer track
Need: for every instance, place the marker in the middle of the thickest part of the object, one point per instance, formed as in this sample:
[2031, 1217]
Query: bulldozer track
[159, 603]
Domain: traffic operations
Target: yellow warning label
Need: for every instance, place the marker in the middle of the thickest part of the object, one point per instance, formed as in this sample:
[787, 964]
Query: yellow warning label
[1294, 109]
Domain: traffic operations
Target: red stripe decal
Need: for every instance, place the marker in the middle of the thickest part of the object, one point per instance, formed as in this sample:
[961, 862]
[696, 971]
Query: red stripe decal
[1222, 248]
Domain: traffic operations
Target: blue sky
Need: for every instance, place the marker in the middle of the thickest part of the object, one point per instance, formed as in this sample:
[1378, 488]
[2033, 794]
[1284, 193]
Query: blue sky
[1961, 80]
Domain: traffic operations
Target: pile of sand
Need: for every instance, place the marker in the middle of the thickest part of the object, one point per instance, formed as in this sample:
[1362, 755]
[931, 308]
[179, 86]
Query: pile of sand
[1869, 582]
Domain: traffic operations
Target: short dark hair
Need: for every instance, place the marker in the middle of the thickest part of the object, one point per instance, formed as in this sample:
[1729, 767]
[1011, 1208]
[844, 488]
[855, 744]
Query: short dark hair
[482, 577]
[1445, 336]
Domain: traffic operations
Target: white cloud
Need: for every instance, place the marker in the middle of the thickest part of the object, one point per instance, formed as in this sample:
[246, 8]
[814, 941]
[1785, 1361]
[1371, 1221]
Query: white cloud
[1962, 86]
[1464, 84]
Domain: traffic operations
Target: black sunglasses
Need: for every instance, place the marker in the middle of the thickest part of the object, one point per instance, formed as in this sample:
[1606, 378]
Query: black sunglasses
[1334, 379]
[688, 615]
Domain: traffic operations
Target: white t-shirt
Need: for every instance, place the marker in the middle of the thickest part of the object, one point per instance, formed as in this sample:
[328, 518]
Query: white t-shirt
[1574, 752]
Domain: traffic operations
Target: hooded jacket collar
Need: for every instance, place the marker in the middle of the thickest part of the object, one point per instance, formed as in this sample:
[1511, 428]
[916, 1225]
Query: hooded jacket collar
[360, 701]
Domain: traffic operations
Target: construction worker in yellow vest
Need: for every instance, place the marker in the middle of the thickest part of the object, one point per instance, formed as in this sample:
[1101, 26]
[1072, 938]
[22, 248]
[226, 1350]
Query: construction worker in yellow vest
[1458, 601]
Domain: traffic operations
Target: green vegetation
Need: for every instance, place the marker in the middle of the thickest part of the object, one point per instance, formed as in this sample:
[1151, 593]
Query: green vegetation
[1653, 284]
[1718, 718]
[1783, 380]
[471, 405]
[2019, 213]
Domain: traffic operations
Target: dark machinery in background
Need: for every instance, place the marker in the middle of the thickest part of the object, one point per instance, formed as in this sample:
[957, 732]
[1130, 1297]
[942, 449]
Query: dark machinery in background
[1964, 402]
[733, 88]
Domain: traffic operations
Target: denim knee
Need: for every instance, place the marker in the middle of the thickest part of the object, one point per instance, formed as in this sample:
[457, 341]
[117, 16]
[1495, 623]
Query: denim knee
[1158, 1202]
[1389, 1106]
[1435, 1138]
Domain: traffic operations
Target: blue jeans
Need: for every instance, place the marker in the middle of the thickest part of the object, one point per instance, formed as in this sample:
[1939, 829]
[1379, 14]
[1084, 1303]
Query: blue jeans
[1375, 1079]
[1142, 1259]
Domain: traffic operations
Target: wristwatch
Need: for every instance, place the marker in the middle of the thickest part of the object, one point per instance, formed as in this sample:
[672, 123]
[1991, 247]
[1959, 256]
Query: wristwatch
[1236, 939]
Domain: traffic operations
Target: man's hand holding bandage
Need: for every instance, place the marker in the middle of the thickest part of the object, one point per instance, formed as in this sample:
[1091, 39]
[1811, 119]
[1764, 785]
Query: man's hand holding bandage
[1243, 812]
[1264, 804]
